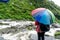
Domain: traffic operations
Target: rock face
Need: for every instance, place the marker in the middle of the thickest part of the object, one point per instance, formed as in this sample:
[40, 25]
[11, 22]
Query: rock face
[20, 30]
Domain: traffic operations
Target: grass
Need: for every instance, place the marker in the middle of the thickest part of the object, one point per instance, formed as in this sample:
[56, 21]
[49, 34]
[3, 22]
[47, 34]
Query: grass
[4, 24]
[57, 35]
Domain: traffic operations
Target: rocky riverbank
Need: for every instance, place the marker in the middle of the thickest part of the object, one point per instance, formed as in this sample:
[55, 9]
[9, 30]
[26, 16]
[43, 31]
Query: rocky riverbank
[21, 30]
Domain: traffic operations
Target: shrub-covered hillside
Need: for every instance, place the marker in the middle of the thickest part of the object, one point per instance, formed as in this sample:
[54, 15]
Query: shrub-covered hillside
[21, 9]
[16, 9]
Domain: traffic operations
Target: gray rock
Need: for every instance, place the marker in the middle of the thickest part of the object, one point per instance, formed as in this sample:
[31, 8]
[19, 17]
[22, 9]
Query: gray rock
[1, 38]
[56, 25]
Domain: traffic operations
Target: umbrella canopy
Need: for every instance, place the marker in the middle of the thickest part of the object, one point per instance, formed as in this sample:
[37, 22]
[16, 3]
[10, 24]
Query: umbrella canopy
[43, 15]
[37, 10]
[52, 16]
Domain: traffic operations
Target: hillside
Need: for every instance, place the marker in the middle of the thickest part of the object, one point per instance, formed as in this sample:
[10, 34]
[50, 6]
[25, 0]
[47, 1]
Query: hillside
[16, 9]
[21, 9]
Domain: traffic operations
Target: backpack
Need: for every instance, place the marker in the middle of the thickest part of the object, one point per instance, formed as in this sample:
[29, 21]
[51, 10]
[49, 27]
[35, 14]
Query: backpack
[44, 28]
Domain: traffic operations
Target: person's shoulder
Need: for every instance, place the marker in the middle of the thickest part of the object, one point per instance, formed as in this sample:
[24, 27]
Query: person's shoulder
[36, 23]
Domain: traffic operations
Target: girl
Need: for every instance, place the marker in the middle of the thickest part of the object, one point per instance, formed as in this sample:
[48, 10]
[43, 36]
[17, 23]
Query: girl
[39, 29]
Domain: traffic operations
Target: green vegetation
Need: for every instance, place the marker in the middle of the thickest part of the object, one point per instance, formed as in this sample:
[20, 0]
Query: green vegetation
[57, 35]
[16, 9]
[21, 9]
[29, 28]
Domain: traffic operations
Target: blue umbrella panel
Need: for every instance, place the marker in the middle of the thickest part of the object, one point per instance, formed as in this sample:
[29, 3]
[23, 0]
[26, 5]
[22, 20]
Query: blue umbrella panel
[42, 17]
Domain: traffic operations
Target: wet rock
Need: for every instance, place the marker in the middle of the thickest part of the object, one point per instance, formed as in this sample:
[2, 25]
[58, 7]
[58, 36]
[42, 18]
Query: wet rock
[19, 30]
[1, 38]
[56, 25]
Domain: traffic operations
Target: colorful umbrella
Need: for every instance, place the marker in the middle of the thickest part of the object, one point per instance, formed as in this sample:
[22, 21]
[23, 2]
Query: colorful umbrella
[43, 15]
[53, 20]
